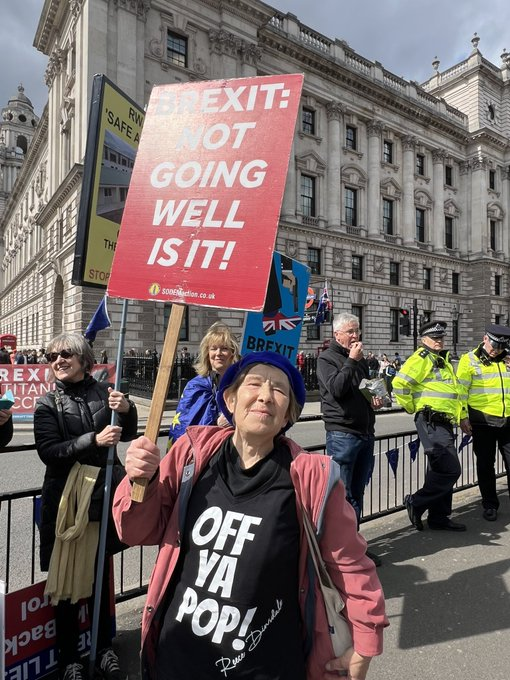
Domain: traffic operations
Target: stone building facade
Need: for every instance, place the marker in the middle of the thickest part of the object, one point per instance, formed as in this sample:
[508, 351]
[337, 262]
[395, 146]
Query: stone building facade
[397, 194]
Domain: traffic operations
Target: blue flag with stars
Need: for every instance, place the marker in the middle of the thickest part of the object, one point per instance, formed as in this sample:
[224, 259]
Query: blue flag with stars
[197, 406]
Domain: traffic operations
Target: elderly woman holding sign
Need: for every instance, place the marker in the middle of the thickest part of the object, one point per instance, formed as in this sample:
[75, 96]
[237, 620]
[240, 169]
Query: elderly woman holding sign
[231, 594]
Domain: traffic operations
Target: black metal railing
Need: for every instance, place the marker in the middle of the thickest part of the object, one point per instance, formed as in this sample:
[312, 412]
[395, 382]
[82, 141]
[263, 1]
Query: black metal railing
[389, 484]
[140, 372]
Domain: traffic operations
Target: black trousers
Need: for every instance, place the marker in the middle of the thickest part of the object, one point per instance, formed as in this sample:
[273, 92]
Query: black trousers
[67, 623]
[443, 469]
[485, 439]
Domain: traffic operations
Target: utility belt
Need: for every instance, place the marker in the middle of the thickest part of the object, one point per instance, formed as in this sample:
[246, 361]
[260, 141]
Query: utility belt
[431, 416]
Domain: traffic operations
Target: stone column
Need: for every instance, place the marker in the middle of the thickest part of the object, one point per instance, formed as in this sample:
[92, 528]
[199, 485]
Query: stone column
[479, 225]
[464, 239]
[374, 130]
[408, 208]
[290, 197]
[334, 111]
[505, 199]
[437, 231]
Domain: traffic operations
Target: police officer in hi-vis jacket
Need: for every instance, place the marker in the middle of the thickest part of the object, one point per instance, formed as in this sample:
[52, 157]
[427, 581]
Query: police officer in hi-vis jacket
[484, 376]
[426, 385]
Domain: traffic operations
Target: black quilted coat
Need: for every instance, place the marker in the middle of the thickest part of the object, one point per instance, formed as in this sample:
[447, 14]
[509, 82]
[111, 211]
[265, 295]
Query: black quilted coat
[86, 413]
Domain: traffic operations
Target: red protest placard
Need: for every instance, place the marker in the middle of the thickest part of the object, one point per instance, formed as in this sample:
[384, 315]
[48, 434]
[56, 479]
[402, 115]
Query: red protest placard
[201, 216]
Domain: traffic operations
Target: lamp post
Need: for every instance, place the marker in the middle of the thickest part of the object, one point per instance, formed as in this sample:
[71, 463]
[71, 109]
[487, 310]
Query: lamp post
[455, 329]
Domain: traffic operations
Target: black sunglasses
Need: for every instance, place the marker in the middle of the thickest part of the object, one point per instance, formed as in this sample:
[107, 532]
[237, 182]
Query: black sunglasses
[64, 353]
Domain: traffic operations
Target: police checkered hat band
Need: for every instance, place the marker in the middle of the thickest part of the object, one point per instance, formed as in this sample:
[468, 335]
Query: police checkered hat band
[434, 329]
[501, 339]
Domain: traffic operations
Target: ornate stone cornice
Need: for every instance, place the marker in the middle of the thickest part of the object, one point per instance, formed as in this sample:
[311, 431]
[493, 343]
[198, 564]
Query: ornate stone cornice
[223, 42]
[464, 167]
[250, 53]
[374, 128]
[479, 163]
[336, 74]
[56, 63]
[335, 110]
[408, 143]
[75, 7]
[139, 7]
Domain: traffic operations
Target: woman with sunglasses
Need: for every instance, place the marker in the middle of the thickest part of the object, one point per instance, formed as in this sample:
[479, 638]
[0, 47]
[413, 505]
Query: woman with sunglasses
[72, 424]
[197, 405]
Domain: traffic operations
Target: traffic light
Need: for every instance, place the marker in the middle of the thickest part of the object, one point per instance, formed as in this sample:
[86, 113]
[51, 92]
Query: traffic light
[405, 322]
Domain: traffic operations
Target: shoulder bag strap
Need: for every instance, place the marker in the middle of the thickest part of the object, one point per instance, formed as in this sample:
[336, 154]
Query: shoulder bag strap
[318, 562]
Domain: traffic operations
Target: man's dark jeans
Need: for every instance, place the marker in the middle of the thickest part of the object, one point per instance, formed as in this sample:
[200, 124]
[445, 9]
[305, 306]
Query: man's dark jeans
[355, 455]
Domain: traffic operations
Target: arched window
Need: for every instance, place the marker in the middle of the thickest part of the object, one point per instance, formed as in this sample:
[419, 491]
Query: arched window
[21, 142]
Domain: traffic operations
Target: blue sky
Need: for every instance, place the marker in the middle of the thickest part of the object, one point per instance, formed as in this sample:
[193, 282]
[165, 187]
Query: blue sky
[404, 35]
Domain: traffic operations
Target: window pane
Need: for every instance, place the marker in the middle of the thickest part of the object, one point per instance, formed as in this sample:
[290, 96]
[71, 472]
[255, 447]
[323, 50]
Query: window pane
[313, 332]
[427, 277]
[314, 260]
[394, 273]
[388, 152]
[308, 196]
[357, 268]
[394, 321]
[351, 213]
[357, 310]
[350, 137]
[455, 282]
[420, 164]
[493, 234]
[177, 49]
[448, 232]
[309, 121]
[420, 225]
[448, 175]
[387, 216]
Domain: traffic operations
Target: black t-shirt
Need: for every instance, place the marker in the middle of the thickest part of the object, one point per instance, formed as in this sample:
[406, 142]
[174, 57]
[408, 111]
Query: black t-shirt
[232, 609]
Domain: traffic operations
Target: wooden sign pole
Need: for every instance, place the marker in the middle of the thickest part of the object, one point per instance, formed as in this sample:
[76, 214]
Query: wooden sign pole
[159, 395]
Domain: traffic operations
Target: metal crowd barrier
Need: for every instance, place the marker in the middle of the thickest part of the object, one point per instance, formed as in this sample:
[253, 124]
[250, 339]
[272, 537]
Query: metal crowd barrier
[395, 474]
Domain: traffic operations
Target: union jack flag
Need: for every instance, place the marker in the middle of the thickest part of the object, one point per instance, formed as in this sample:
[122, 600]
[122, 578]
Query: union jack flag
[325, 307]
[279, 322]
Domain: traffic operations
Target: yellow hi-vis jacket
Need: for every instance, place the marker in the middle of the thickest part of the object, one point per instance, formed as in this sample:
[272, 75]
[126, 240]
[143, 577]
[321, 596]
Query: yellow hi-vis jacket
[485, 384]
[428, 379]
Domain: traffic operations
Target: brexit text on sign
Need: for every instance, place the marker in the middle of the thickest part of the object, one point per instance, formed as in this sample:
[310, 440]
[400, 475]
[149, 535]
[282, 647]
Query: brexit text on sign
[29, 382]
[202, 211]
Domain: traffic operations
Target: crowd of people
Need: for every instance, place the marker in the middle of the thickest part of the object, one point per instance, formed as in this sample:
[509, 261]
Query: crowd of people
[22, 356]
[225, 503]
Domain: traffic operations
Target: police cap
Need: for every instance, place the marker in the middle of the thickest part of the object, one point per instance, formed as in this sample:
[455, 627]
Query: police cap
[498, 334]
[434, 329]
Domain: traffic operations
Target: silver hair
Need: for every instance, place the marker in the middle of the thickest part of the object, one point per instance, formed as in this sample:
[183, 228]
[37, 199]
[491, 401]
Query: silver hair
[75, 343]
[343, 319]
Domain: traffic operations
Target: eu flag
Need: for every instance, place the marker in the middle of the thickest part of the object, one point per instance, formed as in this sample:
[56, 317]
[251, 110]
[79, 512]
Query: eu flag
[99, 321]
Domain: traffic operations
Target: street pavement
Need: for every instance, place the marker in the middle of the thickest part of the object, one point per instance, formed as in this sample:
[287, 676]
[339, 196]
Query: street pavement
[447, 595]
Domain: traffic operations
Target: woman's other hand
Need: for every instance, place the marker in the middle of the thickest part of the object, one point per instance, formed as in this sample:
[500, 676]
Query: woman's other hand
[142, 458]
[5, 414]
[117, 401]
[350, 665]
[110, 436]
